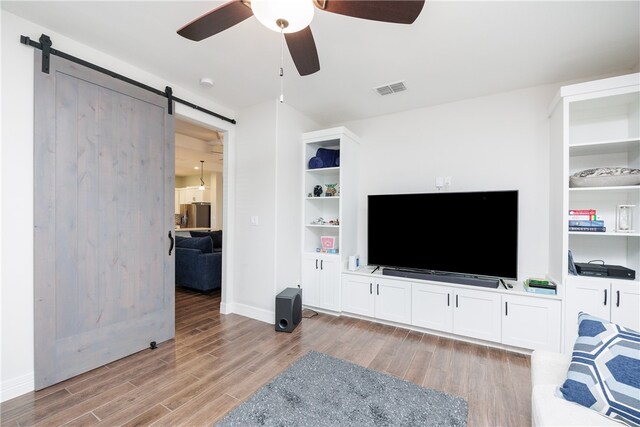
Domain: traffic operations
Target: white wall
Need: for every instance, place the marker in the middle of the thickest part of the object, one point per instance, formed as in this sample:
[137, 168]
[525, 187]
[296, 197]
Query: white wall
[291, 125]
[16, 366]
[254, 246]
[497, 142]
[268, 171]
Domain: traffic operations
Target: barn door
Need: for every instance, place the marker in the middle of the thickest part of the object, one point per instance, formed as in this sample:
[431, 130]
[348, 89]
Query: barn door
[104, 188]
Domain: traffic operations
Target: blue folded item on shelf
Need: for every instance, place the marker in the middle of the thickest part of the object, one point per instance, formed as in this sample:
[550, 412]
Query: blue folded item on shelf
[315, 162]
[330, 158]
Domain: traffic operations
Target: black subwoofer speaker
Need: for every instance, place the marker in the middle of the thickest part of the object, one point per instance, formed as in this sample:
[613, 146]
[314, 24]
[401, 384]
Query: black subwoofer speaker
[288, 309]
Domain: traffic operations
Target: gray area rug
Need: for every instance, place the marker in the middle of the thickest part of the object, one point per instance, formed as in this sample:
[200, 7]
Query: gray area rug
[320, 390]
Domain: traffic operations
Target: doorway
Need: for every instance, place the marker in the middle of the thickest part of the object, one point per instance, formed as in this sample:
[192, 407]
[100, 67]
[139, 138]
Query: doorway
[199, 204]
[199, 163]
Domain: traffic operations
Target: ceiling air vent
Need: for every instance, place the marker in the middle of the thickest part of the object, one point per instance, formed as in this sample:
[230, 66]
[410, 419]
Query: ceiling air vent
[391, 88]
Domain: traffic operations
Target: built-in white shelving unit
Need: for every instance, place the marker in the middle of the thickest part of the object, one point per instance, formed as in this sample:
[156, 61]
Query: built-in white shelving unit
[595, 124]
[321, 270]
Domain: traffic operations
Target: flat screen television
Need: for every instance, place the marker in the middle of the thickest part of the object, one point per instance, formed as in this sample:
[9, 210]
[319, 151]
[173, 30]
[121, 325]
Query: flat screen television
[470, 233]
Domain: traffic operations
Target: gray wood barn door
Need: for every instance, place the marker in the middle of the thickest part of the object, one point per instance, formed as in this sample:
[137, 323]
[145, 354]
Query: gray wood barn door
[104, 189]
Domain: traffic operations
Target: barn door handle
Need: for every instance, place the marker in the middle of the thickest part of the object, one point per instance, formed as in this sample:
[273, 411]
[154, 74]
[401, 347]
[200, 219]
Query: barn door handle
[605, 297]
[371, 288]
[617, 298]
[172, 241]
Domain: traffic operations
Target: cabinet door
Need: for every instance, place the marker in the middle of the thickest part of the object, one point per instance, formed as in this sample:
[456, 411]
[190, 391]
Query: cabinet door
[393, 300]
[477, 314]
[330, 283]
[592, 296]
[357, 294]
[531, 322]
[431, 307]
[625, 304]
[310, 281]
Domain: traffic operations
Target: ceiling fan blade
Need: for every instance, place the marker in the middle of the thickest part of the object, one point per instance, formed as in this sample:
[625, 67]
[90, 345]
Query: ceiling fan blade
[218, 20]
[395, 11]
[303, 51]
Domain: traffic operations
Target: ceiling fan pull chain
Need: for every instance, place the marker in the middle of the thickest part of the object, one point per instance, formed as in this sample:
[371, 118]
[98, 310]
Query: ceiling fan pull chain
[281, 64]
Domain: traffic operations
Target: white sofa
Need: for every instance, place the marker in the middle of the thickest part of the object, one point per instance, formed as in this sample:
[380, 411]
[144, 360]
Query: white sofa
[548, 407]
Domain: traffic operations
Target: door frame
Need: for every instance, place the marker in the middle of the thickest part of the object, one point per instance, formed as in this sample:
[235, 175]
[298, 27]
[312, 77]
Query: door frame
[228, 194]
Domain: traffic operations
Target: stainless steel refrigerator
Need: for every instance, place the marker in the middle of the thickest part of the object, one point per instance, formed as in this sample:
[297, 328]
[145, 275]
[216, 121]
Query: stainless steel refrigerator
[195, 215]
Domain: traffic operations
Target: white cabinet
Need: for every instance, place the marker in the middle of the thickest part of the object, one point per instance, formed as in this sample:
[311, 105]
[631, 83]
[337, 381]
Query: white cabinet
[530, 322]
[477, 314]
[625, 304]
[357, 295]
[511, 317]
[431, 307]
[614, 300]
[393, 300]
[325, 215]
[376, 297]
[321, 281]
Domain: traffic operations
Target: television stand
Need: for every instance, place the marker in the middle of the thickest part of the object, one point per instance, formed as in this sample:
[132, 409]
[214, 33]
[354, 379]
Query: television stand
[442, 277]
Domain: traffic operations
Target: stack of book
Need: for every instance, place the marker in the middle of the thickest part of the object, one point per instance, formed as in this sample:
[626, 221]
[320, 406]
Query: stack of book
[585, 220]
[540, 286]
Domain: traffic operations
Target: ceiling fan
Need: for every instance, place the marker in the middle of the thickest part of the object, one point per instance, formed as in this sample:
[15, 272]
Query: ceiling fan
[292, 17]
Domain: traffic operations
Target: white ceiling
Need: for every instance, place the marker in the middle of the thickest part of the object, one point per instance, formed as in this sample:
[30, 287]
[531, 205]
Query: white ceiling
[454, 50]
[195, 143]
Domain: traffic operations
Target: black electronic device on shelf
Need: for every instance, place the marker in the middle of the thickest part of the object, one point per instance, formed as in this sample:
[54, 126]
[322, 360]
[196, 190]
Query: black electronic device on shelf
[605, 270]
[449, 236]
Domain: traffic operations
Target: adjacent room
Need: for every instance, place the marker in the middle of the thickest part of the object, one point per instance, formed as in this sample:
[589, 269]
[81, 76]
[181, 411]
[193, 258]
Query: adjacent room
[320, 212]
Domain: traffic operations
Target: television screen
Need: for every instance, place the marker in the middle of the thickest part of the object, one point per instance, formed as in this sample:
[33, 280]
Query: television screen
[472, 233]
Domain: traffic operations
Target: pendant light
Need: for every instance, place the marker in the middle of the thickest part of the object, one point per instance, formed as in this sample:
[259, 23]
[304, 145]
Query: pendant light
[201, 188]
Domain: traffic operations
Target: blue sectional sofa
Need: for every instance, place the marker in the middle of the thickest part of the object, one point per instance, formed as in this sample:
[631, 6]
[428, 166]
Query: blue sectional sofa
[198, 265]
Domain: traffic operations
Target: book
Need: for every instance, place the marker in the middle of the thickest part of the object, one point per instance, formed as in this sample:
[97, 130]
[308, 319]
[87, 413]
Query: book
[588, 229]
[581, 218]
[582, 214]
[543, 291]
[540, 283]
[595, 223]
[582, 211]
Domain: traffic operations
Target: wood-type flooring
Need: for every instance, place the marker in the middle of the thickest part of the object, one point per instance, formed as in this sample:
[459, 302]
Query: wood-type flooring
[218, 361]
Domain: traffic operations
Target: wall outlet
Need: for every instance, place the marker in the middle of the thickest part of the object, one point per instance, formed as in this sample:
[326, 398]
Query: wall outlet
[254, 220]
[447, 181]
[439, 182]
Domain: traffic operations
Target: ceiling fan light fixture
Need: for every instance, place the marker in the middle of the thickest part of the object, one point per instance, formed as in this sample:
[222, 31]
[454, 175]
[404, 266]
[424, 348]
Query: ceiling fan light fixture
[201, 188]
[295, 14]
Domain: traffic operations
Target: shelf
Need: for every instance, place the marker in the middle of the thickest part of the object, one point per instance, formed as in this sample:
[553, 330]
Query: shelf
[607, 233]
[615, 188]
[323, 198]
[322, 226]
[604, 147]
[315, 253]
[324, 171]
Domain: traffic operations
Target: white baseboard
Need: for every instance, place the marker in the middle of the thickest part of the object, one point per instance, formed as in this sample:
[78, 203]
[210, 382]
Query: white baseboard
[18, 386]
[256, 313]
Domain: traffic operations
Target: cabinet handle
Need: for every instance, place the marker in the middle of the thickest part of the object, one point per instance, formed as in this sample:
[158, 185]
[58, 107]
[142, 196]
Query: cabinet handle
[377, 288]
[316, 264]
[321, 261]
[370, 288]
[605, 297]
[448, 298]
[456, 301]
[506, 308]
[617, 298]
[172, 242]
